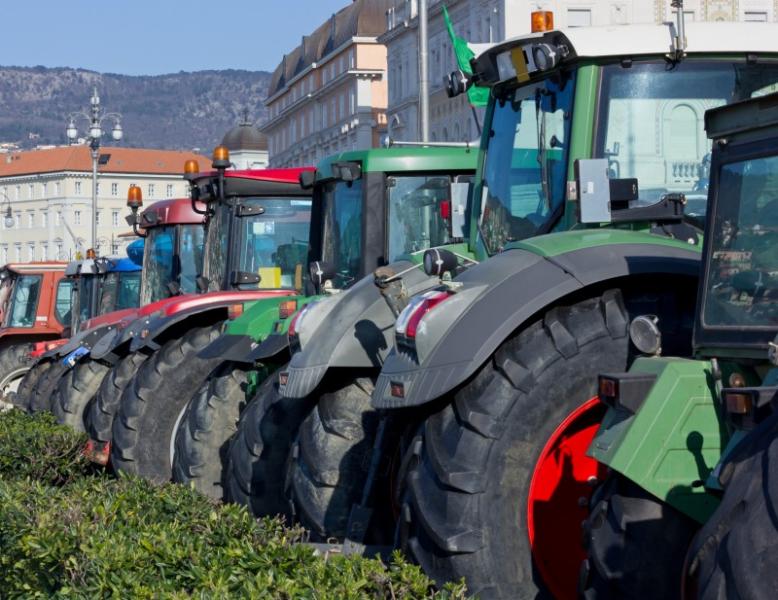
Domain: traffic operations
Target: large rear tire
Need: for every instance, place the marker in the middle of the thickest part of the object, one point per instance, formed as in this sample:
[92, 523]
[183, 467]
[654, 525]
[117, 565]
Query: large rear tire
[42, 393]
[210, 420]
[75, 390]
[102, 410]
[153, 403]
[15, 361]
[331, 459]
[735, 554]
[636, 545]
[21, 399]
[257, 464]
[500, 482]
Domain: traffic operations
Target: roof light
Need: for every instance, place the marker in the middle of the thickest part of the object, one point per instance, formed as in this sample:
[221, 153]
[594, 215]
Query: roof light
[90, 253]
[287, 308]
[409, 321]
[221, 157]
[234, 311]
[191, 167]
[542, 20]
[134, 197]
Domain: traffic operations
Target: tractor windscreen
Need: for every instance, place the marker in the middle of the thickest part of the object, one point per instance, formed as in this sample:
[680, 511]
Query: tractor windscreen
[120, 290]
[342, 239]
[82, 298]
[525, 169]
[651, 121]
[24, 301]
[172, 260]
[274, 243]
[742, 281]
[419, 213]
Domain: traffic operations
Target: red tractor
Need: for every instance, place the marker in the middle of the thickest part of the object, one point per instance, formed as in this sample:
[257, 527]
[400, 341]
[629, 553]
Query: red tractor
[34, 307]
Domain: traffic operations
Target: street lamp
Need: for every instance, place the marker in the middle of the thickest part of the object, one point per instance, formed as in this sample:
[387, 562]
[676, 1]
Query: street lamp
[9, 216]
[95, 133]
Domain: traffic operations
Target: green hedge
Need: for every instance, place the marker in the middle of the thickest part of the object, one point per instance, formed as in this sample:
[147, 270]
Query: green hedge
[67, 532]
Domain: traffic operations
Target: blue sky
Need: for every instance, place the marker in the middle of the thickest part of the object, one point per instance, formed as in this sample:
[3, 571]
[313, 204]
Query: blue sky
[145, 37]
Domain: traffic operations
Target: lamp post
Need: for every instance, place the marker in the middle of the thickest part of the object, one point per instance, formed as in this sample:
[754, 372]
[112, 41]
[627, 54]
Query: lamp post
[95, 133]
[9, 215]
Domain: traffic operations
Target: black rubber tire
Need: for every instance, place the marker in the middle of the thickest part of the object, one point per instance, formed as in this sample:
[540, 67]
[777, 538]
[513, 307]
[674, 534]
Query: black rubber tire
[101, 412]
[23, 395]
[331, 458]
[735, 554]
[258, 452]
[465, 513]
[154, 400]
[210, 420]
[75, 390]
[623, 536]
[15, 361]
[42, 393]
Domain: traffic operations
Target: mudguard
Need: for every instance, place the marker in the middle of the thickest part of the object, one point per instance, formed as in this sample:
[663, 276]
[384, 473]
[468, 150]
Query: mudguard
[499, 295]
[351, 329]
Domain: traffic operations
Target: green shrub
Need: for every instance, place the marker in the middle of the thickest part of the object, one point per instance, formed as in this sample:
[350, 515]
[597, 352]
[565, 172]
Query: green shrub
[35, 447]
[85, 537]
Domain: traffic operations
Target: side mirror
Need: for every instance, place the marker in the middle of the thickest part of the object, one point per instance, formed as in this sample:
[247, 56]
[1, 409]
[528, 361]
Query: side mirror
[438, 261]
[320, 272]
[456, 83]
[307, 179]
[598, 195]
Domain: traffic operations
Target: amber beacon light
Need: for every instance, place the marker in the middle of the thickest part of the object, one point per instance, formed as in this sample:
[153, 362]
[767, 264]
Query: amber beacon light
[221, 157]
[542, 20]
[134, 197]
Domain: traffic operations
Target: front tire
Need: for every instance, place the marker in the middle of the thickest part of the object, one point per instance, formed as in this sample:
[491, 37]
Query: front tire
[210, 420]
[153, 403]
[15, 361]
[23, 395]
[42, 393]
[735, 554]
[500, 481]
[75, 390]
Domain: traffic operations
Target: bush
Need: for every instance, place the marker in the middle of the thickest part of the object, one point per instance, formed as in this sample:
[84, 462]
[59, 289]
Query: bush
[83, 537]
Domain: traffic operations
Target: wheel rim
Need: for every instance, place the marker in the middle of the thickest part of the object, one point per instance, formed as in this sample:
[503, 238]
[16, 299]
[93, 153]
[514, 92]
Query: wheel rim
[558, 502]
[10, 382]
[176, 425]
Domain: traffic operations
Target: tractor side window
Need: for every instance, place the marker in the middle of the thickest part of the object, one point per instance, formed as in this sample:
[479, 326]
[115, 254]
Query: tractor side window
[274, 244]
[108, 293]
[158, 265]
[217, 246]
[190, 251]
[86, 286]
[25, 301]
[342, 238]
[742, 284]
[63, 302]
[525, 167]
[419, 213]
[128, 293]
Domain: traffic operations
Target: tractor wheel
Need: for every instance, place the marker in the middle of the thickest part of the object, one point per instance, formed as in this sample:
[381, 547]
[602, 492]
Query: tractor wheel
[331, 459]
[15, 361]
[210, 420]
[154, 401]
[623, 536]
[41, 397]
[735, 554]
[75, 390]
[101, 411]
[26, 386]
[257, 464]
[500, 483]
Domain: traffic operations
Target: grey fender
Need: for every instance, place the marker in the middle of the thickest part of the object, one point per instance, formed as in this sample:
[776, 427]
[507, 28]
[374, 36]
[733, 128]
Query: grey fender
[352, 329]
[496, 298]
[83, 339]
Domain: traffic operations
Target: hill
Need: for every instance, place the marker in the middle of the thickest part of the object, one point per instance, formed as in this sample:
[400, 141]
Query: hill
[178, 111]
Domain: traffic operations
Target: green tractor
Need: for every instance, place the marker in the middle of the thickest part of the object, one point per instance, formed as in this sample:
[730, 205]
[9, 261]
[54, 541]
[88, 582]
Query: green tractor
[370, 207]
[469, 449]
[691, 443]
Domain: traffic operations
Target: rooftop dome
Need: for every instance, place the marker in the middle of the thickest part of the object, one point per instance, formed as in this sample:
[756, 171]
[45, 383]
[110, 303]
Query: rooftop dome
[244, 137]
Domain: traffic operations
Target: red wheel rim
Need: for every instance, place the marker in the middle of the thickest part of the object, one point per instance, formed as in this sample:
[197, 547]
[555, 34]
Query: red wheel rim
[558, 502]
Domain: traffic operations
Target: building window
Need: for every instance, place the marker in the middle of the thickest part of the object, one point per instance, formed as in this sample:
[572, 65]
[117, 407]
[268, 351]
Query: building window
[757, 16]
[59, 218]
[31, 191]
[115, 218]
[342, 101]
[18, 192]
[579, 17]
[56, 188]
[18, 252]
[31, 252]
[114, 248]
[151, 190]
[114, 189]
[97, 217]
[78, 188]
[44, 219]
[169, 190]
[5, 254]
[45, 252]
[77, 217]
[31, 219]
[18, 220]
[43, 190]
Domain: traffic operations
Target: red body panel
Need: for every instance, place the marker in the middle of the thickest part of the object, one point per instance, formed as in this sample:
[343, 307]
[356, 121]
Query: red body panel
[178, 211]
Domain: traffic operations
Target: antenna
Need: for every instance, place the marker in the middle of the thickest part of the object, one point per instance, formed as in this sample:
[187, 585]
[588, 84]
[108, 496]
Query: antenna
[679, 39]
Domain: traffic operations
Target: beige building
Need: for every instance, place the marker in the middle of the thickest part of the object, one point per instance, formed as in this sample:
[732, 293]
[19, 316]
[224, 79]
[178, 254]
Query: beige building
[484, 21]
[329, 93]
[49, 192]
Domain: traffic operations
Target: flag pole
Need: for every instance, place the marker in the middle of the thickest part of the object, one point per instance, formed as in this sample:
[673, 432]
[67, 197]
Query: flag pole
[424, 81]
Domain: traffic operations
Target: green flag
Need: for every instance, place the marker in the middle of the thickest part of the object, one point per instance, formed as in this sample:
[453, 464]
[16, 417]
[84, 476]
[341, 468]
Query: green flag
[478, 96]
